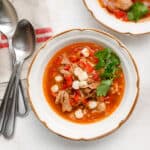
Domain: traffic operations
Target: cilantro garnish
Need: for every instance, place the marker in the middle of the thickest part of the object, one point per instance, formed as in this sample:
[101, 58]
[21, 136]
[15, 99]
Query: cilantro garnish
[110, 62]
[137, 11]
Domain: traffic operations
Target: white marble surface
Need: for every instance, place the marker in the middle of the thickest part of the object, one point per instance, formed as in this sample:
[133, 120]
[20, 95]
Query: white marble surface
[134, 134]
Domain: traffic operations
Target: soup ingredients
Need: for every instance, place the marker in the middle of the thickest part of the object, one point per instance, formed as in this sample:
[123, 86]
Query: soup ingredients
[102, 107]
[123, 4]
[75, 84]
[63, 99]
[58, 78]
[79, 114]
[92, 104]
[84, 82]
[127, 10]
[117, 4]
[82, 75]
[85, 52]
[54, 88]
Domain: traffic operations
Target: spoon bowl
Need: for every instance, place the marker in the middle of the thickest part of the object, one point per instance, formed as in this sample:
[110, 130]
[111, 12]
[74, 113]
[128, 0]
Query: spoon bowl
[23, 40]
[8, 18]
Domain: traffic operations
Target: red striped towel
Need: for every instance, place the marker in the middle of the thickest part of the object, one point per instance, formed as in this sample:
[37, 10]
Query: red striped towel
[42, 35]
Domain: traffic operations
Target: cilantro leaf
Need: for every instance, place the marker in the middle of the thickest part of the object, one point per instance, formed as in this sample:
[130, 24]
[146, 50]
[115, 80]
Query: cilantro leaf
[103, 88]
[100, 64]
[114, 59]
[111, 67]
[109, 72]
[103, 56]
[109, 61]
[137, 11]
[103, 53]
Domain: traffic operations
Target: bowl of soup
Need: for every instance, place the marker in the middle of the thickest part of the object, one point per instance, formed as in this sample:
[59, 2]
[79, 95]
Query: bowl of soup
[123, 16]
[83, 84]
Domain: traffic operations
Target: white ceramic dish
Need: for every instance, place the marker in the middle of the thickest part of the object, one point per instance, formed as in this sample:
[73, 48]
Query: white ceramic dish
[64, 127]
[105, 18]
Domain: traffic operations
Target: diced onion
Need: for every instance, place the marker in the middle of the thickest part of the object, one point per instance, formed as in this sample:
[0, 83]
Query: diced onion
[79, 114]
[101, 107]
[75, 85]
[85, 52]
[82, 75]
[83, 84]
[92, 104]
[55, 88]
[58, 78]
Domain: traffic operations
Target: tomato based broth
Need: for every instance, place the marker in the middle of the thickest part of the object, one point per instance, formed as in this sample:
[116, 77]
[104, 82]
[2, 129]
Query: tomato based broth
[127, 10]
[83, 96]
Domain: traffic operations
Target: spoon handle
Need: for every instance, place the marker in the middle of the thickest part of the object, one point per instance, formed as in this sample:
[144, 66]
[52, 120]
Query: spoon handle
[22, 107]
[7, 95]
[8, 129]
[9, 126]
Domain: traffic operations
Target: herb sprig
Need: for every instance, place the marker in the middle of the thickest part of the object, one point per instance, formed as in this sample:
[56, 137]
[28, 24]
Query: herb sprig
[109, 61]
[137, 11]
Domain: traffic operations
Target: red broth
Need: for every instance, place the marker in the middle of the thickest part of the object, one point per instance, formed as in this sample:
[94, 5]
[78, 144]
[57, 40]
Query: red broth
[79, 110]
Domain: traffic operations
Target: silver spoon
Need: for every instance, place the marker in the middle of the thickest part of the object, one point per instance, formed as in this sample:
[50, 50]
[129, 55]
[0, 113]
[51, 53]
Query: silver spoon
[23, 43]
[8, 22]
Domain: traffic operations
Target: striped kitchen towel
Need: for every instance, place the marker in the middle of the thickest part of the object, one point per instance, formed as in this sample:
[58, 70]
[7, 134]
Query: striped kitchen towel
[37, 12]
[42, 35]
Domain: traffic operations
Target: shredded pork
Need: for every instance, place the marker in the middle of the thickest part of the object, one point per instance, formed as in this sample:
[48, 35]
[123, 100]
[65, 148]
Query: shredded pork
[65, 60]
[63, 99]
[117, 4]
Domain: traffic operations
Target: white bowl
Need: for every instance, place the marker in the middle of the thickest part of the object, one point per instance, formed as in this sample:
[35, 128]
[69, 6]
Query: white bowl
[56, 123]
[110, 21]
